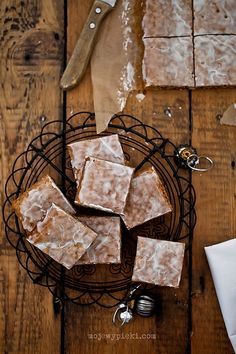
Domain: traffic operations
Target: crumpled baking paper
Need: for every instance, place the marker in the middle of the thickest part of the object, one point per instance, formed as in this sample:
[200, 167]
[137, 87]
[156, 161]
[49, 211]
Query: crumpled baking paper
[113, 63]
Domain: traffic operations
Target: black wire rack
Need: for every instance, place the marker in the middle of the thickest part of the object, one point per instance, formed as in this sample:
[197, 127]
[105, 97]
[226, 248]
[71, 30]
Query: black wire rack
[105, 285]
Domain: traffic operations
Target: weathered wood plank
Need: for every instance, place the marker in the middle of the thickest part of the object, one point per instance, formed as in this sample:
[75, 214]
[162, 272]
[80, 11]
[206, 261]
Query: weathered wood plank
[95, 332]
[216, 220]
[80, 98]
[89, 329]
[31, 56]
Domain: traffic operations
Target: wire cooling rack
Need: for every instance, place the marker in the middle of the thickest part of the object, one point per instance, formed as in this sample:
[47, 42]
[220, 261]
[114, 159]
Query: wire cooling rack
[105, 285]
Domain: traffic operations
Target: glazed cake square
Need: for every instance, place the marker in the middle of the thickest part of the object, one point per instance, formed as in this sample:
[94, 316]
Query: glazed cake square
[107, 246]
[167, 18]
[62, 237]
[215, 60]
[147, 199]
[168, 62]
[105, 148]
[214, 17]
[104, 185]
[32, 205]
[158, 262]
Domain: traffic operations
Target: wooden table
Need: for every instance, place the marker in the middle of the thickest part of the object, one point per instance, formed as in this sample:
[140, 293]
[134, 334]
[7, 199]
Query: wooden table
[35, 37]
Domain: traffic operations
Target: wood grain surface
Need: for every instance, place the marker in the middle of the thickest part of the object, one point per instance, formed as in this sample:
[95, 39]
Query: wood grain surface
[215, 212]
[85, 326]
[31, 61]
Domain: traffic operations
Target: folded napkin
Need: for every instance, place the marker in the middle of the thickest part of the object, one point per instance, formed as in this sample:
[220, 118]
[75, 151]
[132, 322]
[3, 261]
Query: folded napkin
[229, 116]
[222, 261]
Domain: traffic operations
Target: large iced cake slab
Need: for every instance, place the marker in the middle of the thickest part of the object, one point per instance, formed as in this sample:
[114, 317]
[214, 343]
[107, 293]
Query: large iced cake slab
[189, 44]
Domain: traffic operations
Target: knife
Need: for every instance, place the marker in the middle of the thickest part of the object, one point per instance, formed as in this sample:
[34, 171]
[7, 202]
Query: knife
[80, 57]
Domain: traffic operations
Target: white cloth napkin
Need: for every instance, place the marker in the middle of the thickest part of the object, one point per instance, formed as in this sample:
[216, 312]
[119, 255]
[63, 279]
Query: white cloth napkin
[222, 261]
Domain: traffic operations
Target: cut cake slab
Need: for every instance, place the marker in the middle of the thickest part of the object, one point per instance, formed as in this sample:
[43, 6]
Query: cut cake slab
[106, 148]
[104, 185]
[62, 237]
[158, 262]
[107, 246]
[32, 205]
[147, 199]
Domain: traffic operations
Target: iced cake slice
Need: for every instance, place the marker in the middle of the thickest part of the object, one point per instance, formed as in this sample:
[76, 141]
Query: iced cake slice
[167, 18]
[104, 185]
[105, 148]
[158, 262]
[32, 206]
[214, 17]
[107, 246]
[62, 237]
[214, 60]
[147, 198]
[168, 62]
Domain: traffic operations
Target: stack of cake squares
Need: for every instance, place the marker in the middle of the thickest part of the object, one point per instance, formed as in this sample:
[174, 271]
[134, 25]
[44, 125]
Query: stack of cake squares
[105, 183]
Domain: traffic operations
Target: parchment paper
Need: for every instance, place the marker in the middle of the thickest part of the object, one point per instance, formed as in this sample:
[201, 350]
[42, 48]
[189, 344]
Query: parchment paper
[114, 64]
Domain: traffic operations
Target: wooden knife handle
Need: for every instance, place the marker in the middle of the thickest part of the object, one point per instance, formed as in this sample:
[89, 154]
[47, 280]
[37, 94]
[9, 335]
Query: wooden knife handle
[81, 55]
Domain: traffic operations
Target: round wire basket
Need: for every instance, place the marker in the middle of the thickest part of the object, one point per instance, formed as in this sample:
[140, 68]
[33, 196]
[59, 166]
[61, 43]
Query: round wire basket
[106, 285]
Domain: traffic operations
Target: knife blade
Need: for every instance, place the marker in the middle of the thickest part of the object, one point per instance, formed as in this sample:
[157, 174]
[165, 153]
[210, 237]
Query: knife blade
[80, 57]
